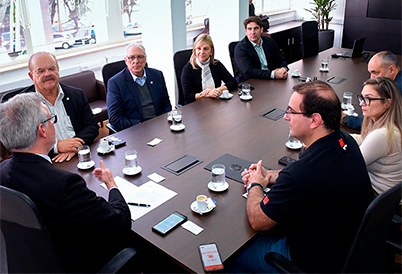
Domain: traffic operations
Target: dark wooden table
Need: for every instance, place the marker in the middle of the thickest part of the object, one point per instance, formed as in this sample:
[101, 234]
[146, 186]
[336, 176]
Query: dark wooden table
[213, 128]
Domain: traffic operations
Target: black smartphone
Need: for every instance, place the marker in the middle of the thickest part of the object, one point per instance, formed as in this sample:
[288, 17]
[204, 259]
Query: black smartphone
[211, 260]
[285, 160]
[170, 222]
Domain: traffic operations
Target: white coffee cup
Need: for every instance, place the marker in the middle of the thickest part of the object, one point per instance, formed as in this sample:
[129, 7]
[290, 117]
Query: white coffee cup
[350, 110]
[202, 202]
[296, 72]
[225, 93]
[104, 145]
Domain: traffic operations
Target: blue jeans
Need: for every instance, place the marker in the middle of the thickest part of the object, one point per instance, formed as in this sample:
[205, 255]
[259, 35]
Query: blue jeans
[250, 259]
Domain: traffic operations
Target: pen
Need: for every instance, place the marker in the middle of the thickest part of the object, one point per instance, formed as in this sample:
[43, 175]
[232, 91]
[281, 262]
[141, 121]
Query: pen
[139, 204]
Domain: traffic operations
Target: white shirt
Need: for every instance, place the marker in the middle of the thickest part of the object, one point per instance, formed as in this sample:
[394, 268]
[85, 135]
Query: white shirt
[385, 171]
[261, 55]
[64, 128]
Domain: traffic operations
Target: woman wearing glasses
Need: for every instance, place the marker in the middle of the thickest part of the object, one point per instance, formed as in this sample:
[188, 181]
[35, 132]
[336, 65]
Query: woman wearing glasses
[203, 75]
[380, 138]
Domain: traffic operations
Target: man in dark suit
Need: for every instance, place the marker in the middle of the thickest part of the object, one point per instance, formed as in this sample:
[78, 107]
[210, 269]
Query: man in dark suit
[87, 231]
[136, 94]
[258, 56]
[77, 124]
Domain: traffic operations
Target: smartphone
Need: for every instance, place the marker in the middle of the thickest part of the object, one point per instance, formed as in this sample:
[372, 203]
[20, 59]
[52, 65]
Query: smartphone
[211, 260]
[285, 160]
[170, 222]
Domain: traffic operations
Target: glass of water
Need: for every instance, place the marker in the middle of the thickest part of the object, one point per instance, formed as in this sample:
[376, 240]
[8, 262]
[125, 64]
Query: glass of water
[131, 159]
[246, 88]
[324, 64]
[177, 118]
[84, 154]
[218, 175]
[347, 100]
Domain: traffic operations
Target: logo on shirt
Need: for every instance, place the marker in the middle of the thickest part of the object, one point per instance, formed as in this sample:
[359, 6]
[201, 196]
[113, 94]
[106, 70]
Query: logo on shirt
[342, 143]
[266, 199]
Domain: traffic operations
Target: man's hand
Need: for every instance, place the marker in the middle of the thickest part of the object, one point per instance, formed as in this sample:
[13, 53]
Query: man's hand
[281, 73]
[258, 174]
[64, 156]
[105, 175]
[69, 145]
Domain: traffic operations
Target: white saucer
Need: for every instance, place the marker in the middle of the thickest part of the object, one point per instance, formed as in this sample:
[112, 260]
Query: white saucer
[111, 148]
[246, 98]
[177, 128]
[125, 171]
[194, 208]
[296, 75]
[324, 70]
[169, 118]
[86, 165]
[230, 95]
[354, 113]
[293, 145]
[221, 188]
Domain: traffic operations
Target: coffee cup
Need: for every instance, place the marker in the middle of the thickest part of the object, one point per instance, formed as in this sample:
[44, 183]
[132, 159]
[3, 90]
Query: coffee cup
[104, 145]
[202, 202]
[350, 110]
[296, 72]
[225, 93]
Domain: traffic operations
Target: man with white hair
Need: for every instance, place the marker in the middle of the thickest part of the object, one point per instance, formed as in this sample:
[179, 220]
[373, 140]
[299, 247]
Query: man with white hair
[137, 93]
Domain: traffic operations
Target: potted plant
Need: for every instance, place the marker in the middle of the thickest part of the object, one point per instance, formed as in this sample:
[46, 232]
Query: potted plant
[321, 11]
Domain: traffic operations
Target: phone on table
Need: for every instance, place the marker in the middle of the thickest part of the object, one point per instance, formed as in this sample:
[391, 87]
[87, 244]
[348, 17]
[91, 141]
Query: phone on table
[170, 222]
[285, 160]
[211, 260]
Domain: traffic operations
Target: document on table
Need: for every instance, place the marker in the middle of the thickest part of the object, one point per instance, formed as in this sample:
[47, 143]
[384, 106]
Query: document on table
[149, 193]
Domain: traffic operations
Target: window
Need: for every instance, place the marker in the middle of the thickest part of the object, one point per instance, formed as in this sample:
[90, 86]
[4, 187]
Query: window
[268, 6]
[196, 12]
[131, 25]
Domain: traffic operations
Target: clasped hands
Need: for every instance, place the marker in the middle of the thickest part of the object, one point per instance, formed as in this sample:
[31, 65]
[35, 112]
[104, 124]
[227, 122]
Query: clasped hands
[281, 73]
[67, 149]
[211, 92]
[258, 174]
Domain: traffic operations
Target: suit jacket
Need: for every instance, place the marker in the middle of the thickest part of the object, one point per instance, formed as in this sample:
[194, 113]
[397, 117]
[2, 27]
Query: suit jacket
[123, 100]
[249, 65]
[77, 108]
[81, 224]
[192, 83]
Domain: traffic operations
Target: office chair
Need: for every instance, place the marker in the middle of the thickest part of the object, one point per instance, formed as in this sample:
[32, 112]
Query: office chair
[111, 69]
[368, 253]
[10, 94]
[232, 47]
[28, 245]
[180, 59]
[309, 31]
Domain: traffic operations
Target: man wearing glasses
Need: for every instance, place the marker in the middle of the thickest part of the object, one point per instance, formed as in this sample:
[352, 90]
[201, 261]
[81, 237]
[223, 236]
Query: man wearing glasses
[136, 93]
[319, 200]
[77, 124]
[86, 230]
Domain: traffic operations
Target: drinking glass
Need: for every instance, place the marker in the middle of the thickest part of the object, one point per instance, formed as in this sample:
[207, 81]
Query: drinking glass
[347, 100]
[218, 175]
[84, 154]
[131, 159]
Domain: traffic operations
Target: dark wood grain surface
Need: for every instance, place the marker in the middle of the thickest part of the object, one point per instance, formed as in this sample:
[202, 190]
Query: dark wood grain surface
[213, 128]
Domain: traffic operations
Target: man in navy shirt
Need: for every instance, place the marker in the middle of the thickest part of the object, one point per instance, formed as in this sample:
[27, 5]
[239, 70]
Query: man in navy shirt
[319, 201]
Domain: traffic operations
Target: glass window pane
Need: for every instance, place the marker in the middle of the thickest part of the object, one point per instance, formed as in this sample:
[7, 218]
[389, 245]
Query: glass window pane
[275, 5]
[131, 24]
[196, 12]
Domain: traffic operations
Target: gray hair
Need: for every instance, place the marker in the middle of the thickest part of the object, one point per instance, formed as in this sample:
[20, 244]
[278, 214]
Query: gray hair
[134, 44]
[388, 58]
[19, 120]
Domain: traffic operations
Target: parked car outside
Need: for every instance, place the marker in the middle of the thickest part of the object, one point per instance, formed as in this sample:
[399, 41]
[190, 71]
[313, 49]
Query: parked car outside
[62, 40]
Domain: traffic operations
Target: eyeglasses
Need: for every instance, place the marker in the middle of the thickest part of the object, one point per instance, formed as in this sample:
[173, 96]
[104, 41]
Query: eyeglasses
[138, 57]
[367, 100]
[289, 110]
[52, 118]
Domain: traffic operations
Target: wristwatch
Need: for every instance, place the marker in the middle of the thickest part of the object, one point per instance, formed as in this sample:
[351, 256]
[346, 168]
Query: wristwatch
[252, 185]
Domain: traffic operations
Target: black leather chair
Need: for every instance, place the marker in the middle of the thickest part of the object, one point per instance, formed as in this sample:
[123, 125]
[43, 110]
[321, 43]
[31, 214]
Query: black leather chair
[28, 246]
[232, 46]
[111, 69]
[180, 59]
[309, 39]
[9, 94]
[368, 253]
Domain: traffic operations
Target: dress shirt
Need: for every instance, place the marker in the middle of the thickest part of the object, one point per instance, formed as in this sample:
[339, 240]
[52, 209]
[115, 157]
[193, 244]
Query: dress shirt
[64, 128]
[46, 157]
[140, 80]
[261, 55]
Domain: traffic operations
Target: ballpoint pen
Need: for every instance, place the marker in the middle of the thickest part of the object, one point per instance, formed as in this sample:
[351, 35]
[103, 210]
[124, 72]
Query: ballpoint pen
[139, 204]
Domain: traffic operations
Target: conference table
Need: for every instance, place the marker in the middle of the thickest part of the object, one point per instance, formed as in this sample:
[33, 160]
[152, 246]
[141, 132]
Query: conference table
[214, 127]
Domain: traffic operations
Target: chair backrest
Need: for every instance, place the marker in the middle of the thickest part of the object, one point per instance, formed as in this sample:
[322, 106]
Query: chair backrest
[86, 81]
[180, 59]
[369, 250]
[232, 46]
[29, 247]
[111, 69]
[9, 94]
[309, 32]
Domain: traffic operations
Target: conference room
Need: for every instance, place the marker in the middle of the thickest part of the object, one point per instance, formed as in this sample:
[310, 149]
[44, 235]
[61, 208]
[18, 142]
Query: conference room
[233, 132]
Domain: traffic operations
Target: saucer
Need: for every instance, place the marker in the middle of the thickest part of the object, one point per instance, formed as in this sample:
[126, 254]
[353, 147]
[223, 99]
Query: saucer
[246, 98]
[324, 70]
[354, 113]
[294, 145]
[296, 75]
[230, 95]
[221, 188]
[177, 128]
[211, 205]
[169, 118]
[125, 171]
[86, 165]
[111, 148]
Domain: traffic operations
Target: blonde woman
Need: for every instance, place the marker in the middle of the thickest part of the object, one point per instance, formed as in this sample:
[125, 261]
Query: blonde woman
[380, 139]
[203, 75]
